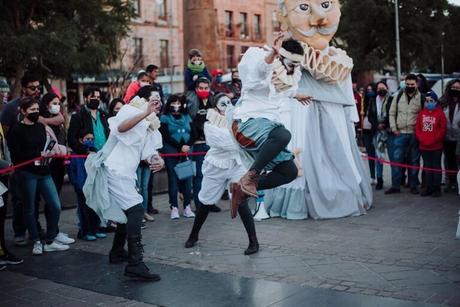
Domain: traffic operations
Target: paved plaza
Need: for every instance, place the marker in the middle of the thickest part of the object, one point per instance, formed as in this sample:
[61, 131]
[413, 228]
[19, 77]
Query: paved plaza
[402, 253]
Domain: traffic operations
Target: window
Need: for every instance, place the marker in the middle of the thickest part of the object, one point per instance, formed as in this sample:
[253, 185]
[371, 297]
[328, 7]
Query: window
[162, 9]
[228, 23]
[257, 26]
[230, 56]
[276, 25]
[137, 7]
[138, 51]
[164, 53]
[244, 25]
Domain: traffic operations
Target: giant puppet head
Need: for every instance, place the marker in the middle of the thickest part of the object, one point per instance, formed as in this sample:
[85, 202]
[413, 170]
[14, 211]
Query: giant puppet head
[313, 22]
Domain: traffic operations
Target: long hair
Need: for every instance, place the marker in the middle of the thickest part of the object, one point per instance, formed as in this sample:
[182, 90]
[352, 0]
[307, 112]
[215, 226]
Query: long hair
[447, 98]
[44, 104]
[174, 98]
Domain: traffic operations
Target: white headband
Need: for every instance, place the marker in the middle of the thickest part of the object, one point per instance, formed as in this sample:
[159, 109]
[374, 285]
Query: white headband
[291, 56]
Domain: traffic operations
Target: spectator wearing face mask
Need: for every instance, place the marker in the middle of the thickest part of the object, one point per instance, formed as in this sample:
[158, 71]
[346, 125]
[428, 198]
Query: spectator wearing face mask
[402, 117]
[218, 86]
[451, 105]
[115, 106]
[88, 219]
[235, 86]
[196, 68]
[176, 131]
[143, 79]
[28, 140]
[431, 130]
[89, 118]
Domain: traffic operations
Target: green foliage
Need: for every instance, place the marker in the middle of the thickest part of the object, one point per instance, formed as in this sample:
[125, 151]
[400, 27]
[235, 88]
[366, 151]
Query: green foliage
[61, 37]
[367, 32]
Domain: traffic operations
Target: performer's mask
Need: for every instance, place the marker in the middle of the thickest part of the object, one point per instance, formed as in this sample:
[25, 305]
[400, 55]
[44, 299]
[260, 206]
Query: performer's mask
[222, 104]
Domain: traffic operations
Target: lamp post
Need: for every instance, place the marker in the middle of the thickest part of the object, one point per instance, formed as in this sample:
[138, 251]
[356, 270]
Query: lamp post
[398, 49]
[442, 62]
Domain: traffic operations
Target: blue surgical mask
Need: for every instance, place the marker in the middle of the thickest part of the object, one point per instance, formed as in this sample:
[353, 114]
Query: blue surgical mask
[430, 105]
[88, 143]
[219, 79]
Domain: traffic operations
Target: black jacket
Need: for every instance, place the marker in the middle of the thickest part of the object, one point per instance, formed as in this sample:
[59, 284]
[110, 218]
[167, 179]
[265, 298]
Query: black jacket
[371, 112]
[83, 121]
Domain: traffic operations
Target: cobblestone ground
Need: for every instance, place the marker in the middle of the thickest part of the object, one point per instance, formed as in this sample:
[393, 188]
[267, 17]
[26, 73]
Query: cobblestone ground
[404, 248]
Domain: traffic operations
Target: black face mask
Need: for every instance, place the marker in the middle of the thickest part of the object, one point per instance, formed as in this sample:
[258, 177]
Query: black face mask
[33, 117]
[455, 93]
[93, 104]
[236, 80]
[410, 90]
[382, 93]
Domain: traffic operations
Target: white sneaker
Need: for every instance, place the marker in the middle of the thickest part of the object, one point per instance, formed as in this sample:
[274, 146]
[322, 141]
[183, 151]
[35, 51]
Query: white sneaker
[188, 212]
[63, 238]
[55, 247]
[38, 248]
[174, 213]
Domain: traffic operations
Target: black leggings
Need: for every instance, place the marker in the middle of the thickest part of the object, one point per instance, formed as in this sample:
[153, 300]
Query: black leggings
[277, 140]
[243, 210]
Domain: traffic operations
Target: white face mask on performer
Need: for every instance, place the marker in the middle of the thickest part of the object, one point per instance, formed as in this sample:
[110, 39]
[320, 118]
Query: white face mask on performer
[222, 104]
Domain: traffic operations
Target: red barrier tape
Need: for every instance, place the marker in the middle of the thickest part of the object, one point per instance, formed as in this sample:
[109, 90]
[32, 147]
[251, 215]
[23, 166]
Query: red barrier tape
[202, 153]
[66, 157]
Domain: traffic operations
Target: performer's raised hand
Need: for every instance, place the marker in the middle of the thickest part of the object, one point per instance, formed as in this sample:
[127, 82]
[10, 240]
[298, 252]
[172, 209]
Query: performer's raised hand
[274, 50]
[304, 99]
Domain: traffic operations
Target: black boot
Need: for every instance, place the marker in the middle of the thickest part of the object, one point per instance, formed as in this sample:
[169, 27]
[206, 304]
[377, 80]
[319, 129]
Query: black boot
[253, 246]
[201, 215]
[118, 254]
[379, 185]
[136, 268]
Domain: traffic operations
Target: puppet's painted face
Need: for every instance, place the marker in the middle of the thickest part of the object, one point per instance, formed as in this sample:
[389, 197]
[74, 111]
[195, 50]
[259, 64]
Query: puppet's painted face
[313, 22]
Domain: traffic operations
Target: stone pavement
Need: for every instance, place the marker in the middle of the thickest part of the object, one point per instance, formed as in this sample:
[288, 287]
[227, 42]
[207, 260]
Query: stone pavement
[404, 248]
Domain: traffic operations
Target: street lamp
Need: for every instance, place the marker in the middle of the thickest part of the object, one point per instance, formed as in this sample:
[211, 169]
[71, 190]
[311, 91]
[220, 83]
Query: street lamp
[442, 62]
[398, 48]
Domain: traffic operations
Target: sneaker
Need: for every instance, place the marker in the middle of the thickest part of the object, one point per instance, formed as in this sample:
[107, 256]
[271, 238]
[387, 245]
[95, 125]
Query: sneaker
[392, 191]
[373, 181]
[143, 225]
[20, 240]
[2, 267]
[414, 191]
[89, 238]
[188, 212]
[100, 235]
[436, 193]
[9, 258]
[55, 247]
[148, 217]
[38, 248]
[63, 238]
[174, 213]
[154, 211]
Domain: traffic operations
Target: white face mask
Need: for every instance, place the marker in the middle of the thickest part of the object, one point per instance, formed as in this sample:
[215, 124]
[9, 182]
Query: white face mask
[55, 109]
[142, 84]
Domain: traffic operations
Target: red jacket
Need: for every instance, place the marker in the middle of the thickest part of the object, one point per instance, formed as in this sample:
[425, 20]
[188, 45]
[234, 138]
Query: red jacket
[430, 129]
[131, 91]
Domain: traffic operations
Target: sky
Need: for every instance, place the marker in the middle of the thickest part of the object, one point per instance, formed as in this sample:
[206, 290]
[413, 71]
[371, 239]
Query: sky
[457, 2]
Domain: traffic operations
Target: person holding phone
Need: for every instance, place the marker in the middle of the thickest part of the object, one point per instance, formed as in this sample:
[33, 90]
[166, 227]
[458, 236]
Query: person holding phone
[28, 140]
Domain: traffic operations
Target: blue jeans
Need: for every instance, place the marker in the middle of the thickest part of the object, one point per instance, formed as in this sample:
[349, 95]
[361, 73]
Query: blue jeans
[404, 146]
[143, 178]
[174, 184]
[29, 183]
[199, 174]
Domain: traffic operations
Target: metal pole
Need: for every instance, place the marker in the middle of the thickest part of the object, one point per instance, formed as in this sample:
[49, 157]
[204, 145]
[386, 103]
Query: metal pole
[442, 63]
[398, 49]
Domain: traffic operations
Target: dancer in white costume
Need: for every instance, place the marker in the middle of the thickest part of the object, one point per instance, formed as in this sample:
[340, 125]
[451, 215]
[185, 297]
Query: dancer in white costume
[222, 165]
[335, 183]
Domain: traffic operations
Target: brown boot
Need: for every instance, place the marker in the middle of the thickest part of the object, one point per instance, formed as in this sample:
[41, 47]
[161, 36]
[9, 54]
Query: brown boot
[249, 182]
[238, 197]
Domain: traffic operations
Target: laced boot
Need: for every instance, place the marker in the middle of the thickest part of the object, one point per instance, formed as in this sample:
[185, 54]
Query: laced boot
[136, 267]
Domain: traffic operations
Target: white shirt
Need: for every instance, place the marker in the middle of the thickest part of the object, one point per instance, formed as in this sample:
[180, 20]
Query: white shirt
[138, 143]
[258, 97]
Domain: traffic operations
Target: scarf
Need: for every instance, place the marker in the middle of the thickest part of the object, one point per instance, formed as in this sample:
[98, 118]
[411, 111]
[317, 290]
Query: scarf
[196, 69]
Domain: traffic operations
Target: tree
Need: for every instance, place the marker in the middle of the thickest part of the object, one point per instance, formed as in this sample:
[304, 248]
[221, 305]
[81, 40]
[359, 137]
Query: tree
[367, 32]
[60, 37]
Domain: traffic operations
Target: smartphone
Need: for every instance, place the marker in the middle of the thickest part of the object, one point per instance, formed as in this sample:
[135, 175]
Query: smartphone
[50, 145]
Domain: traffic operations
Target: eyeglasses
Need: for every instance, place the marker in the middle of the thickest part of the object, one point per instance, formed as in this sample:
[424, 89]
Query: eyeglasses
[33, 87]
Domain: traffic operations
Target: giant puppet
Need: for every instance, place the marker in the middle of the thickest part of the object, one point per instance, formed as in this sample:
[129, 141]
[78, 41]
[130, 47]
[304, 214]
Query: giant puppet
[334, 182]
